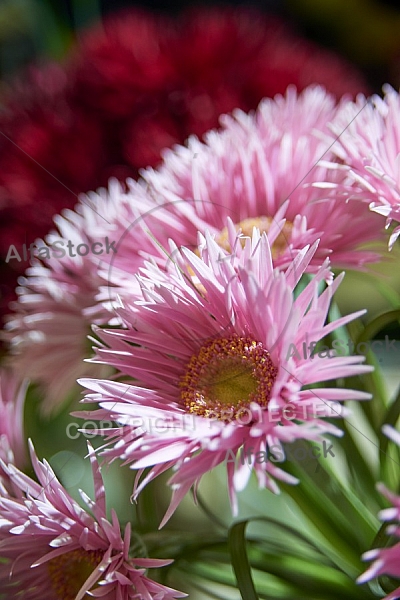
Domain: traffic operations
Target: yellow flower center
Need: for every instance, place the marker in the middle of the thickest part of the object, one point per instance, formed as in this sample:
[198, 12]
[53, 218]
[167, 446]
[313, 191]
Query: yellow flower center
[69, 571]
[227, 375]
[264, 225]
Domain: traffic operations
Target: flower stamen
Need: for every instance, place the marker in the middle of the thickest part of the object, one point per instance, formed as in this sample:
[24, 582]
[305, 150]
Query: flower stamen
[227, 375]
[69, 571]
[264, 225]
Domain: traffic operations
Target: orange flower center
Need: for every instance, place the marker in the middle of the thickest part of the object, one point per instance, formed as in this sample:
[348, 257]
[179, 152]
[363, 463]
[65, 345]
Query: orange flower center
[226, 376]
[69, 571]
[264, 225]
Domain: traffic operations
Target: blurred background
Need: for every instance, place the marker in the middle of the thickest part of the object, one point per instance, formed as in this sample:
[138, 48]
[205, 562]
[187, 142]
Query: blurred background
[363, 31]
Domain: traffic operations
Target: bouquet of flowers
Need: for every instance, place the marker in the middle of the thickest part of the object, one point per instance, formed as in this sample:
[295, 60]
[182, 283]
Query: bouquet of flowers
[181, 330]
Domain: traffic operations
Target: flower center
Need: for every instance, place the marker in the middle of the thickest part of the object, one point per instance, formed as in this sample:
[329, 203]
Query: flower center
[226, 376]
[264, 225]
[69, 571]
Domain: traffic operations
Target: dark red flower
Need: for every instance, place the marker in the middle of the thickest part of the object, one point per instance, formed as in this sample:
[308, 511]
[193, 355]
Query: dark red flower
[134, 85]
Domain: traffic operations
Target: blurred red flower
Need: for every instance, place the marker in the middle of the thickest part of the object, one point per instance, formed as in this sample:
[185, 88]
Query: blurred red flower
[134, 85]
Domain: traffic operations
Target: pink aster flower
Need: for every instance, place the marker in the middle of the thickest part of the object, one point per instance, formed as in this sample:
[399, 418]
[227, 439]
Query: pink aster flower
[257, 163]
[270, 169]
[386, 560]
[370, 146]
[51, 321]
[53, 548]
[208, 344]
[61, 296]
[12, 400]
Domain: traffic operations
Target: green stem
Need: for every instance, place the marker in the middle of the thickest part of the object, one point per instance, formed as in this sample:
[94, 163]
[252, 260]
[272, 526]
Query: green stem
[377, 324]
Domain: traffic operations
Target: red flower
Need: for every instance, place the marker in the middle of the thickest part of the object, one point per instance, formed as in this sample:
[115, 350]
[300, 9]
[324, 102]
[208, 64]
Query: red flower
[133, 86]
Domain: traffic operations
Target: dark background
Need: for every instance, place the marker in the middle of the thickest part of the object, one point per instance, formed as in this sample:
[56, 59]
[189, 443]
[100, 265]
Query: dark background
[365, 32]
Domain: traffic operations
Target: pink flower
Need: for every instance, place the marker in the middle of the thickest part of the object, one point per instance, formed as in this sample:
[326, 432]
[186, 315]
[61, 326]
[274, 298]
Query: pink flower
[369, 144]
[51, 321]
[386, 560]
[55, 549]
[210, 343]
[259, 169]
[12, 401]
[61, 296]
[261, 161]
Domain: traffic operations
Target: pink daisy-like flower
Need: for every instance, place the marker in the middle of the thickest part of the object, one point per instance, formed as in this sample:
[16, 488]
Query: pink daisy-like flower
[259, 161]
[58, 298]
[386, 560]
[210, 342]
[53, 548]
[12, 400]
[51, 321]
[259, 170]
[370, 146]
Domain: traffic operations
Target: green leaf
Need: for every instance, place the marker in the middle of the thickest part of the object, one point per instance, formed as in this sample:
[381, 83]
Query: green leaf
[240, 561]
[377, 324]
[329, 524]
